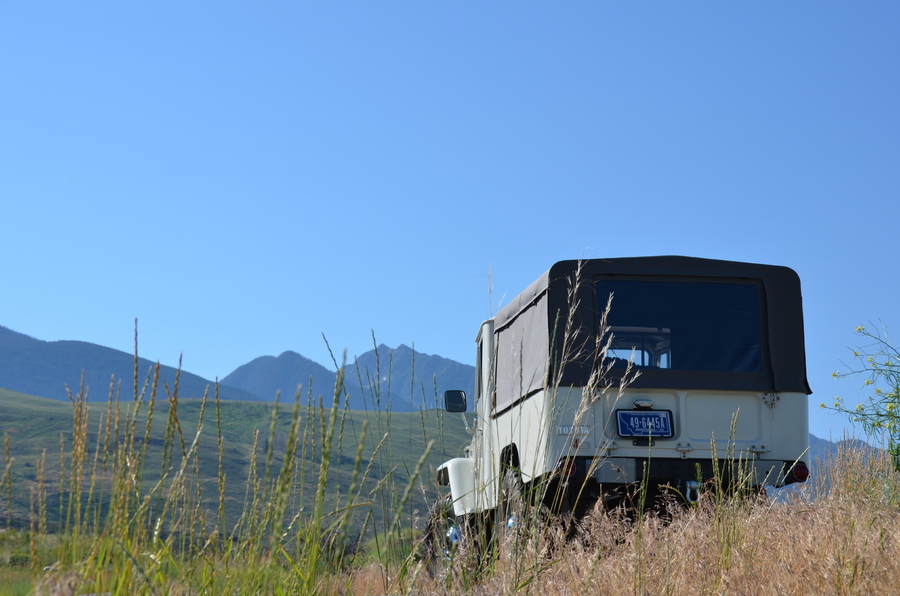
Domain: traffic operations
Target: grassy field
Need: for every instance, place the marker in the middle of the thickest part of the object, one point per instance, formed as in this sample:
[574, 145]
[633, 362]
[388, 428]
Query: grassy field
[211, 477]
[162, 496]
[40, 428]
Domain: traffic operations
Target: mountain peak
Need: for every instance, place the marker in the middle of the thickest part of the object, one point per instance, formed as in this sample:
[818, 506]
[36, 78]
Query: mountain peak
[398, 378]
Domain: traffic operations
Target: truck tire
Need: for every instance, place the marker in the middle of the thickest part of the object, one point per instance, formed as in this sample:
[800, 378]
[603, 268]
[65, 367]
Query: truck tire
[443, 535]
[509, 504]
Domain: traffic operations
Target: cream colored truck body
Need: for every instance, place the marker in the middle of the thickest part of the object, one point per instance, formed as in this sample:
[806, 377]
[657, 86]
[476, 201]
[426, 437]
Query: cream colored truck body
[540, 415]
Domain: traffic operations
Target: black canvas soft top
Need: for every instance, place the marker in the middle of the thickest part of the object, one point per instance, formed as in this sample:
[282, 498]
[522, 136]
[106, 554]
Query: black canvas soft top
[546, 303]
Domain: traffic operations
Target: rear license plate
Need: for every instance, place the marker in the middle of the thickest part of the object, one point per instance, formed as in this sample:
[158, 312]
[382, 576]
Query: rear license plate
[645, 423]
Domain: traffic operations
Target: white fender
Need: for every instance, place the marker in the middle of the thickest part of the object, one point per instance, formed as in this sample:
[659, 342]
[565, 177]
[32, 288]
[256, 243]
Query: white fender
[459, 473]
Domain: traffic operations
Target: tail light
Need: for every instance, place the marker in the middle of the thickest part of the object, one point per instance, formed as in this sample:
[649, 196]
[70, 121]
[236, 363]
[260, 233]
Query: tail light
[566, 467]
[799, 473]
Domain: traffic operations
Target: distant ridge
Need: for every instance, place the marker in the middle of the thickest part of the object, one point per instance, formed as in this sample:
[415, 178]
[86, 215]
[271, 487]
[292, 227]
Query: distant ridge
[45, 368]
[416, 380]
[399, 379]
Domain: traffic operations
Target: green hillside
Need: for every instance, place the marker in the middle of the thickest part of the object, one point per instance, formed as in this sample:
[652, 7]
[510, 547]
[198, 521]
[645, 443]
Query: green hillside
[39, 428]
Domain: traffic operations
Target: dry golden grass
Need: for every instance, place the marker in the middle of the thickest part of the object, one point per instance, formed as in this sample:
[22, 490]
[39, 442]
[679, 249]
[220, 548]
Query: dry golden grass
[845, 541]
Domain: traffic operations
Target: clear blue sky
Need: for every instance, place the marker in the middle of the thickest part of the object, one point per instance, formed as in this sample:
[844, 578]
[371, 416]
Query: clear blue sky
[243, 177]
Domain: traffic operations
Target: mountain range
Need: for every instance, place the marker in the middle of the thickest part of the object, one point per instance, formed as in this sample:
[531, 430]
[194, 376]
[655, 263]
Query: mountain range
[48, 368]
[397, 379]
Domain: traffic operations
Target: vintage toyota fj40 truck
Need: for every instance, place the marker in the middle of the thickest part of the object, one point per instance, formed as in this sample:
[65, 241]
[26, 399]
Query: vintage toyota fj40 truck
[607, 375]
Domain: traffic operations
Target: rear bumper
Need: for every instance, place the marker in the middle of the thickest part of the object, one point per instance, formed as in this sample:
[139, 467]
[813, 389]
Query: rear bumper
[615, 478]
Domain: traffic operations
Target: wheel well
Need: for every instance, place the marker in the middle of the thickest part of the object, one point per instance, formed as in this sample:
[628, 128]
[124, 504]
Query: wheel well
[509, 458]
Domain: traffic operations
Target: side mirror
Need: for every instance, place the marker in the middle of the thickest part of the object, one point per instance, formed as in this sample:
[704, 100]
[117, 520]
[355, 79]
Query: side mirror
[455, 400]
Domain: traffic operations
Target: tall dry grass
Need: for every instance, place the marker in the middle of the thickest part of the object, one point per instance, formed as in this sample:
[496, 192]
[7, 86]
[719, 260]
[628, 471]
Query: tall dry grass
[839, 538]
